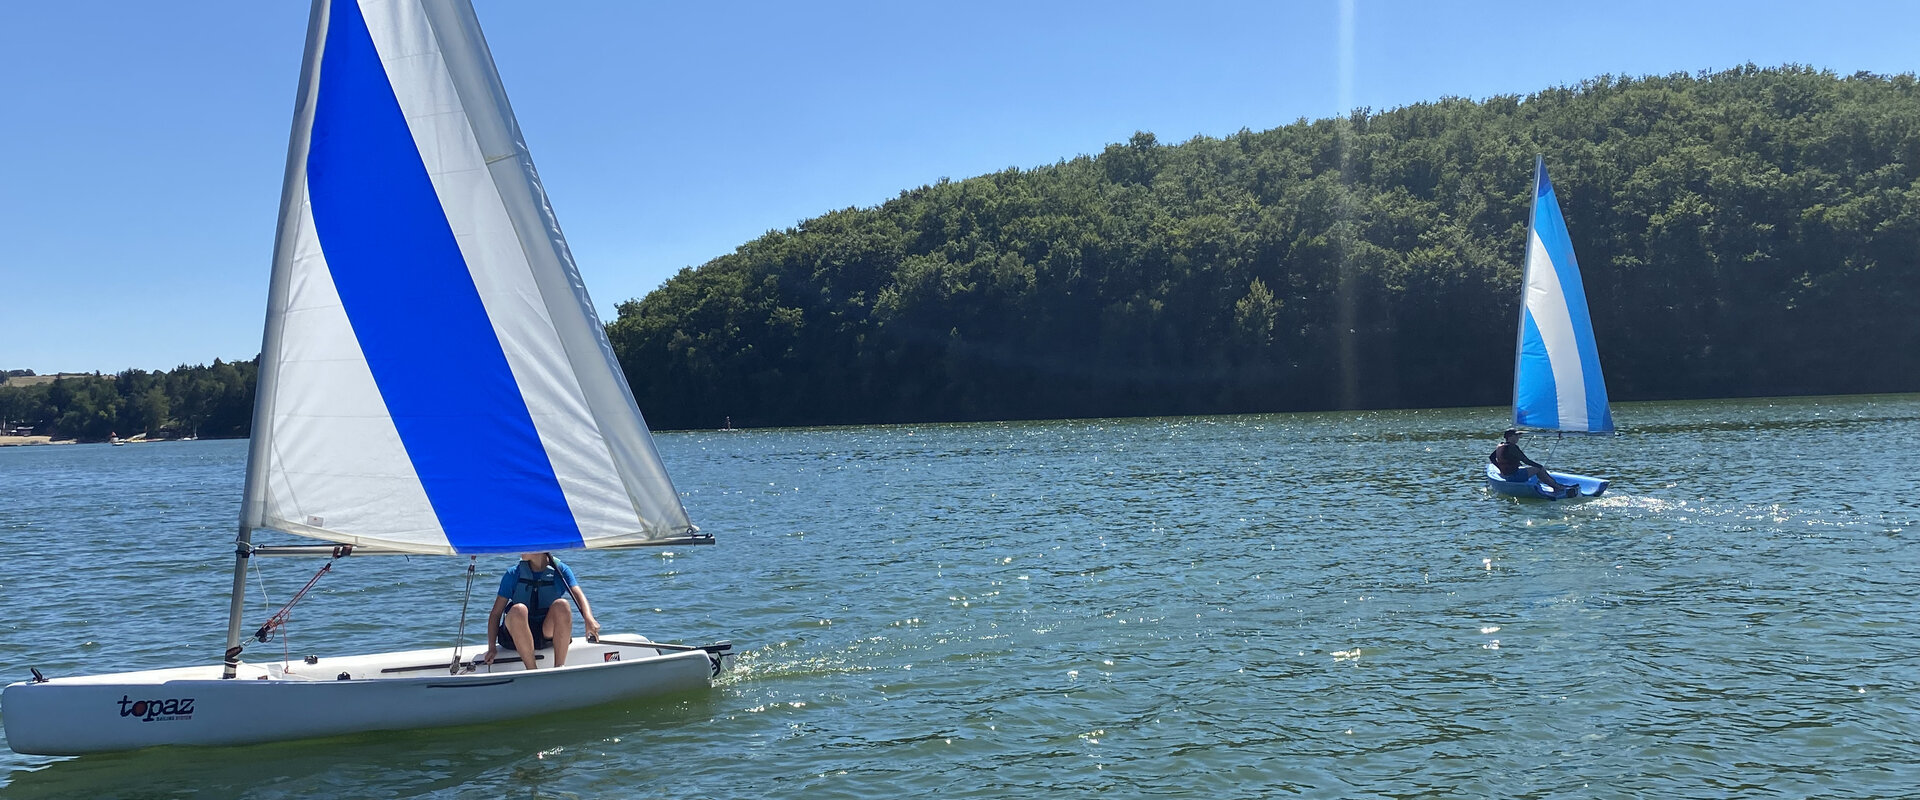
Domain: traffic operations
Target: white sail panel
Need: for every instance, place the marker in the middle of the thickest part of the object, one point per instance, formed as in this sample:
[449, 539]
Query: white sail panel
[462, 311]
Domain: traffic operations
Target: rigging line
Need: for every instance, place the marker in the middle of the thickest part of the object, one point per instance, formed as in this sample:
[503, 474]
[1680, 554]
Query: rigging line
[461, 637]
[286, 655]
[261, 581]
[280, 618]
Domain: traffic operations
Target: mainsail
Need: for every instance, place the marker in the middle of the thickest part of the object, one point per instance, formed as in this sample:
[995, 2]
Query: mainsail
[1557, 383]
[434, 378]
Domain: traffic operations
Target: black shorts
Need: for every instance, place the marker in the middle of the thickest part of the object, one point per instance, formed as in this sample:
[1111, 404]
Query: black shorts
[534, 623]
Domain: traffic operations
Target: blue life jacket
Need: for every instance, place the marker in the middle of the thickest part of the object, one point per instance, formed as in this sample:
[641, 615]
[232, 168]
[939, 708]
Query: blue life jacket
[539, 591]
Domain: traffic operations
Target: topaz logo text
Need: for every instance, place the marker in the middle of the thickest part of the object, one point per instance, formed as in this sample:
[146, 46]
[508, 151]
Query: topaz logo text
[162, 710]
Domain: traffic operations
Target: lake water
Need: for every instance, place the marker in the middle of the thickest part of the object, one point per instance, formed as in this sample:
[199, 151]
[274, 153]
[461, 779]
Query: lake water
[1311, 604]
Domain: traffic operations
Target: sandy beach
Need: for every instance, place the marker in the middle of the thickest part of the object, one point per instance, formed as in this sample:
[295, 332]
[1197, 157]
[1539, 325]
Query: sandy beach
[9, 441]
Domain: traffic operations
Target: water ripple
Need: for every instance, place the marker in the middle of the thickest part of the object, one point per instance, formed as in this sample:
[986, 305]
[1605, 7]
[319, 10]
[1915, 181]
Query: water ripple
[1321, 604]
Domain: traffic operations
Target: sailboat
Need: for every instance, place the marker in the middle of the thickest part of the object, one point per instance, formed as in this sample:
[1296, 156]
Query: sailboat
[1557, 384]
[433, 380]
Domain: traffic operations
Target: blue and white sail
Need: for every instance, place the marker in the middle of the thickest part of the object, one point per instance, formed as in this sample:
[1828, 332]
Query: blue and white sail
[1557, 383]
[434, 378]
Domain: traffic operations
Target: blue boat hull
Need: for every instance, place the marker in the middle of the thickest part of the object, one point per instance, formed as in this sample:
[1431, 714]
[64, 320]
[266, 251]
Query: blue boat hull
[1530, 489]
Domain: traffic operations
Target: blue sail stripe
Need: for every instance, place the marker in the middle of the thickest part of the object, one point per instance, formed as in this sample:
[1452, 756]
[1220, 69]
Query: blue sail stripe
[417, 315]
[1536, 403]
[1551, 226]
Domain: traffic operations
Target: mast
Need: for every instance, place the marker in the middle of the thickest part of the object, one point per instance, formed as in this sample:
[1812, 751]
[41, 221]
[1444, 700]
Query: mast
[267, 379]
[1526, 272]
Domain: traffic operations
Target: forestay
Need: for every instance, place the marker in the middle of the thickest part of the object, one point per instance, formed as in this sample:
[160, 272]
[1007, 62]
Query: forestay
[433, 377]
[1557, 383]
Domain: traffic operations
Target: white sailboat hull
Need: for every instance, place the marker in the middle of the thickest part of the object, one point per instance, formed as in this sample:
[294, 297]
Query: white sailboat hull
[387, 691]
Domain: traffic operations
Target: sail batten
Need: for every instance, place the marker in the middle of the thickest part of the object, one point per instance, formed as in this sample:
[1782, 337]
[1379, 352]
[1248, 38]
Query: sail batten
[1558, 384]
[434, 377]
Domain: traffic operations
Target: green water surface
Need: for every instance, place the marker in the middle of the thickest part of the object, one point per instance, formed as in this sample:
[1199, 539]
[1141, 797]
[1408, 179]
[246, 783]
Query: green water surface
[1321, 605]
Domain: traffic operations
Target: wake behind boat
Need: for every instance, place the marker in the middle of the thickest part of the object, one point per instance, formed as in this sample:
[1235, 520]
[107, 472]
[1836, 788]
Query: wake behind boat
[421, 290]
[1557, 383]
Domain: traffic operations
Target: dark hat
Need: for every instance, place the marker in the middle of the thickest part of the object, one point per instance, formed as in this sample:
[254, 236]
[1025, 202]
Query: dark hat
[1511, 432]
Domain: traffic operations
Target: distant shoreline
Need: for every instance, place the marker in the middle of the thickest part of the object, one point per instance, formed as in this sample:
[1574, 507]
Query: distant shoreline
[20, 441]
[14, 441]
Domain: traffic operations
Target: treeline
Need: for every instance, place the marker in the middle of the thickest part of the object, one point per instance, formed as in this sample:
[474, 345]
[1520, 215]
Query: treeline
[208, 401]
[1748, 232]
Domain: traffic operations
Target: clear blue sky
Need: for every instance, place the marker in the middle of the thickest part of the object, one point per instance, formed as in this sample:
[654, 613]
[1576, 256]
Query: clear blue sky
[144, 142]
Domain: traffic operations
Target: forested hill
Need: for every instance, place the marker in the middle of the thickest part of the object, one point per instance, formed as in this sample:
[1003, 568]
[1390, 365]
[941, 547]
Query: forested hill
[1749, 232]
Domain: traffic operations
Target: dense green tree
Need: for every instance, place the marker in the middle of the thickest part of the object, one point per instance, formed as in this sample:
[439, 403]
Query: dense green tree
[1740, 233]
[213, 401]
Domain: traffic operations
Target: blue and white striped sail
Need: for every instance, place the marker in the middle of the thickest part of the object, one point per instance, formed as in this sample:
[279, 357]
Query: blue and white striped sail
[433, 377]
[1557, 383]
